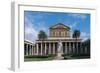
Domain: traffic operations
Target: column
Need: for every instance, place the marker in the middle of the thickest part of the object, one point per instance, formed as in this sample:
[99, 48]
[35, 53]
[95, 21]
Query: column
[49, 48]
[85, 52]
[53, 48]
[81, 49]
[69, 47]
[62, 49]
[73, 47]
[32, 50]
[34, 47]
[41, 48]
[45, 48]
[77, 46]
[27, 49]
[65, 47]
[37, 47]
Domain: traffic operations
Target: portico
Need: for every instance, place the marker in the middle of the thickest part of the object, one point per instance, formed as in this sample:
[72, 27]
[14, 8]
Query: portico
[46, 47]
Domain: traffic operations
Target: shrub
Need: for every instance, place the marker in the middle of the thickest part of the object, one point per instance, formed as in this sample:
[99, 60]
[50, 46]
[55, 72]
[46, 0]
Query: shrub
[36, 56]
[66, 55]
[40, 56]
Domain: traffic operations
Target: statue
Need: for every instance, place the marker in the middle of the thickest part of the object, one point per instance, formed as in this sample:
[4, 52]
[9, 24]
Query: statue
[59, 54]
[59, 46]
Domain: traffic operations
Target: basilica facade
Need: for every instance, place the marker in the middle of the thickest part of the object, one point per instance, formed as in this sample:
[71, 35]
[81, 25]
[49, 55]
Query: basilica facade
[58, 33]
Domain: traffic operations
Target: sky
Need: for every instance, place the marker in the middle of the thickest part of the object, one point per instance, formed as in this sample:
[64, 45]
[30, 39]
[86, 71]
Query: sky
[34, 21]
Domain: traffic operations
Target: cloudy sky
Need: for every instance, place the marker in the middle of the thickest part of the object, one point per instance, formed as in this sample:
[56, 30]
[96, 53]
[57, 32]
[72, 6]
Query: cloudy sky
[35, 21]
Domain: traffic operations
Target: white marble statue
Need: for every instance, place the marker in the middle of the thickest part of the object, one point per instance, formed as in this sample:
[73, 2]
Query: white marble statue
[59, 47]
[59, 54]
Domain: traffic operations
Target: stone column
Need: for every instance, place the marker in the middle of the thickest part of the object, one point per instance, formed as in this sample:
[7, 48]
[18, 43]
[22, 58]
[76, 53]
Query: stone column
[65, 47]
[77, 46]
[49, 48]
[69, 47]
[37, 47]
[81, 49]
[27, 49]
[73, 47]
[32, 50]
[41, 48]
[45, 48]
[62, 49]
[85, 50]
[53, 48]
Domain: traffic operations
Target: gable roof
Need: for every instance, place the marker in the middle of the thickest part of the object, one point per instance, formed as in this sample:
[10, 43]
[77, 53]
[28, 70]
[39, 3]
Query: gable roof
[60, 25]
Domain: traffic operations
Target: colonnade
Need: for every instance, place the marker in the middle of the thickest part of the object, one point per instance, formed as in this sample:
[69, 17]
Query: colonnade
[45, 48]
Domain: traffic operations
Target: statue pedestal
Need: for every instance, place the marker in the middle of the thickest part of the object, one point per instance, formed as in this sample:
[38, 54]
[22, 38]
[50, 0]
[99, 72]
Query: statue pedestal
[59, 56]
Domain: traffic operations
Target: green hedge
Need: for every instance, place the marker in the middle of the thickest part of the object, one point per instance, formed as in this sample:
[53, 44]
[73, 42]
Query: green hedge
[66, 55]
[40, 56]
[75, 55]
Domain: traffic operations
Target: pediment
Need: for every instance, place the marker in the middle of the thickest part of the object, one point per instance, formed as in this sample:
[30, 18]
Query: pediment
[60, 25]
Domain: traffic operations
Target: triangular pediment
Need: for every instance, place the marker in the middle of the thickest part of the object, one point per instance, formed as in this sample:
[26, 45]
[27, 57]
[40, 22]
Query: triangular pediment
[60, 25]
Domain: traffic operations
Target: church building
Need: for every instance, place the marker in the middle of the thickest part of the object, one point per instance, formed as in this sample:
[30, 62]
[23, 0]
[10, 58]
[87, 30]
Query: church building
[58, 33]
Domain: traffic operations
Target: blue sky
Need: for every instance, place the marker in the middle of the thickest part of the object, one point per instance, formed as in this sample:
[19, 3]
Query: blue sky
[35, 21]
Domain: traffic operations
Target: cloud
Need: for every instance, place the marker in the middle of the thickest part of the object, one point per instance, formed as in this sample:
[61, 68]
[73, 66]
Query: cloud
[32, 28]
[85, 36]
[78, 15]
[30, 31]
[72, 26]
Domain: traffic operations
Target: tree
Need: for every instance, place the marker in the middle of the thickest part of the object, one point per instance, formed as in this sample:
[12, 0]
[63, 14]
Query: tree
[42, 36]
[76, 35]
